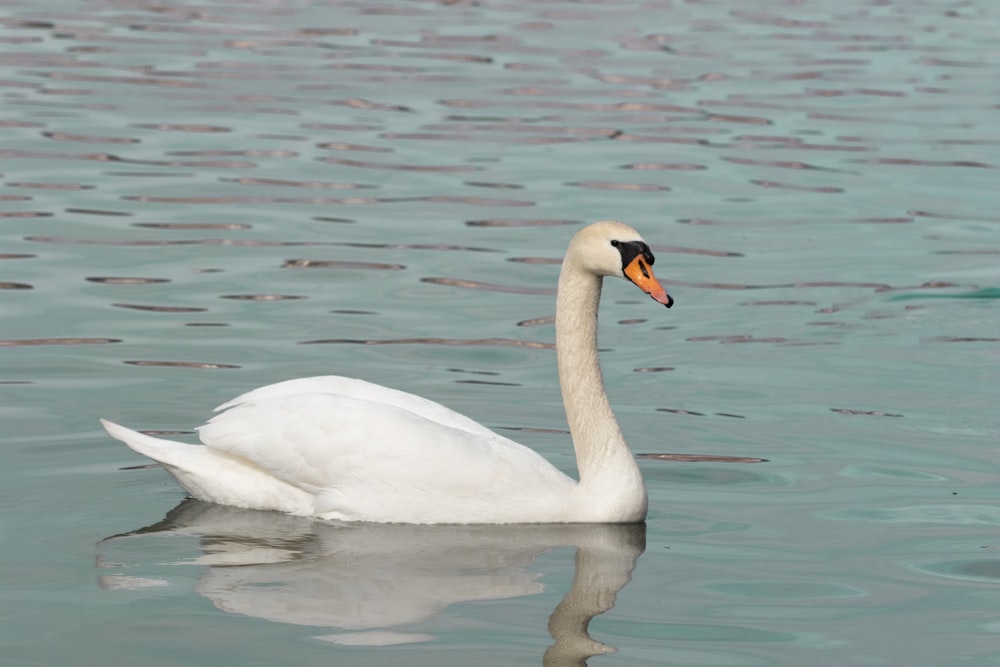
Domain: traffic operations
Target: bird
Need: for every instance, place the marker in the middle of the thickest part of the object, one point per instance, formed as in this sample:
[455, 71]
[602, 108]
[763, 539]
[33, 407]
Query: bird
[344, 449]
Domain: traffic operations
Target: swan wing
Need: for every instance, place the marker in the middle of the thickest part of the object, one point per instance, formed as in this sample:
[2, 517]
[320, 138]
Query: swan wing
[364, 460]
[366, 391]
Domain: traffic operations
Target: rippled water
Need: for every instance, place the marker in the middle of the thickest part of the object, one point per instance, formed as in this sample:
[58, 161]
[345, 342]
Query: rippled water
[199, 198]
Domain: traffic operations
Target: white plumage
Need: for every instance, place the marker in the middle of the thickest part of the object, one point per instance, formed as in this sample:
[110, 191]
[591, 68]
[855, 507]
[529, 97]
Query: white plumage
[345, 449]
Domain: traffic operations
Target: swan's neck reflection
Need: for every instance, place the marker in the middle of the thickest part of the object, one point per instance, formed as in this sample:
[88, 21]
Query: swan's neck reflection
[368, 580]
[599, 575]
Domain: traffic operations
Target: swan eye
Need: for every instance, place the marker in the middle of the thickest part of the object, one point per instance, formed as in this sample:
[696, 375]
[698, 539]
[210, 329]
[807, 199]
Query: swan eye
[632, 249]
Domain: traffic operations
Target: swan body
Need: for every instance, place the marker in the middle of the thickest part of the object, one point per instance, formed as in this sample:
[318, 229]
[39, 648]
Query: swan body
[344, 449]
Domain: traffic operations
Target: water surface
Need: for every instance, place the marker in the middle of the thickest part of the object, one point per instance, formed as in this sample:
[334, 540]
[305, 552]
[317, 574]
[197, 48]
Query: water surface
[200, 198]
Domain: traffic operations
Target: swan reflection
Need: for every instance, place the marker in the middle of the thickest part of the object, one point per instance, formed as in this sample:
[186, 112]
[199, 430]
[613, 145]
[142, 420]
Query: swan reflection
[367, 580]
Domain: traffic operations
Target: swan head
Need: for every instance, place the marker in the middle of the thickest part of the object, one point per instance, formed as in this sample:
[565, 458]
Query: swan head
[610, 248]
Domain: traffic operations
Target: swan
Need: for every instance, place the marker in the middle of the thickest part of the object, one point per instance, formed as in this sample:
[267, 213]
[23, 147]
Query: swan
[343, 449]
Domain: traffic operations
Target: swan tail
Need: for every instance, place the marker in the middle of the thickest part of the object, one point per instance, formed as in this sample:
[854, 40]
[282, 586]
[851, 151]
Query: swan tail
[216, 477]
[181, 460]
[165, 452]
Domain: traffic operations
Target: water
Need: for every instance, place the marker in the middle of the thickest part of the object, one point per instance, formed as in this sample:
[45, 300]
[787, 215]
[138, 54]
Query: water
[193, 191]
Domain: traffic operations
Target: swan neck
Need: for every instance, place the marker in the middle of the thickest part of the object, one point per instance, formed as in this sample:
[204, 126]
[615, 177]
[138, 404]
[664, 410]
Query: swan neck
[604, 462]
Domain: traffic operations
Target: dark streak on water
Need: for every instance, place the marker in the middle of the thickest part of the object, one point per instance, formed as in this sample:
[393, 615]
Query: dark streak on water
[501, 342]
[56, 341]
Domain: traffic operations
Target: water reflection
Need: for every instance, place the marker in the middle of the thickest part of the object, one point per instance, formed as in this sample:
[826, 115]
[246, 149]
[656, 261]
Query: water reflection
[368, 581]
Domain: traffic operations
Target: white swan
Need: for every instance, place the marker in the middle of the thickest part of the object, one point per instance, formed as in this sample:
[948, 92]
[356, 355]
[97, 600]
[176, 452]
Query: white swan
[345, 449]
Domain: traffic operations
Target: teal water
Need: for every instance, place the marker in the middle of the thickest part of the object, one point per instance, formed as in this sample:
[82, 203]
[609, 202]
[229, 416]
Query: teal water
[194, 191]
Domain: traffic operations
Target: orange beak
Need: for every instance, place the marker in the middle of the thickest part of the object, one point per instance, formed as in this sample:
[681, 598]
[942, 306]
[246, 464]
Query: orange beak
[641, 273]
